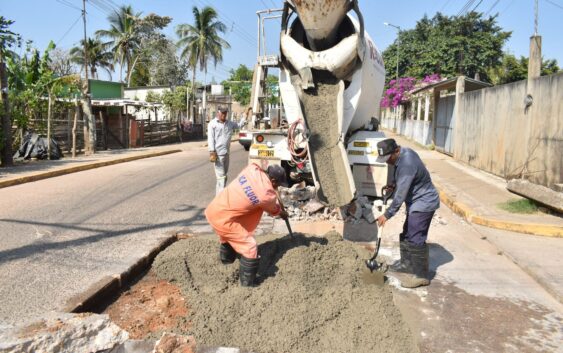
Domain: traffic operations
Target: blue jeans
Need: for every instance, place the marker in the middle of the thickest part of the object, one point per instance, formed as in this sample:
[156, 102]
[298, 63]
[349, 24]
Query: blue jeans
[415, 228]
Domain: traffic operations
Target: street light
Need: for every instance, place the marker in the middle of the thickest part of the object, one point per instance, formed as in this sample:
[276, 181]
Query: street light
[398, 28]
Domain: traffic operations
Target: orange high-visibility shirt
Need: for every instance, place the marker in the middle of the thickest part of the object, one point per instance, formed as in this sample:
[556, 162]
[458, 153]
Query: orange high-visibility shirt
[237, 210]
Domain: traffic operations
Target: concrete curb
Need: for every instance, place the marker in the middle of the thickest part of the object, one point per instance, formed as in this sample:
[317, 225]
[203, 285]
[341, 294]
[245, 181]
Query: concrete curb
[79, 168]
[469, 215]
[101, 292]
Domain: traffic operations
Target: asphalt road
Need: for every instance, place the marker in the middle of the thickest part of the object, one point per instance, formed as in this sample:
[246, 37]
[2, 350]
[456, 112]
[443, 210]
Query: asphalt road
[61, 235]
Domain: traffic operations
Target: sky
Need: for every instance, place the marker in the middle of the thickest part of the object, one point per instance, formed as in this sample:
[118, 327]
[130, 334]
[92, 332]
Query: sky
[60, 21]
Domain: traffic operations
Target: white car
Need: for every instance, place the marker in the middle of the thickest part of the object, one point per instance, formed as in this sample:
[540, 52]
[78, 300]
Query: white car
[245, 139]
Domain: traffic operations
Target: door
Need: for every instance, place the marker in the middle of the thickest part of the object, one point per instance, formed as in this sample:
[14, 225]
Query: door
[445, 122]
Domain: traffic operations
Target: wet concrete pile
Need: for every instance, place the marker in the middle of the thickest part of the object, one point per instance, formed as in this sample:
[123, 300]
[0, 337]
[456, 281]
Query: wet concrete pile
[312, 297]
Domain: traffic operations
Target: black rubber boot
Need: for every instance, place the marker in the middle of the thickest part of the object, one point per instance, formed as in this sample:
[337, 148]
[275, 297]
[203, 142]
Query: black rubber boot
[404, 265]
[248, 271]
[419, 259]
[227, 254]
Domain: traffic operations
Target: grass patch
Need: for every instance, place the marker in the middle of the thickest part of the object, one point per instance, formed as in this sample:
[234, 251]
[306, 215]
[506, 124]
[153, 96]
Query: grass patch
[519, 206]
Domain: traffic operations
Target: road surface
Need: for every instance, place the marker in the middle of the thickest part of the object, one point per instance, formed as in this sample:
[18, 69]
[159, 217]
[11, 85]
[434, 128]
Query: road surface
[61, 235]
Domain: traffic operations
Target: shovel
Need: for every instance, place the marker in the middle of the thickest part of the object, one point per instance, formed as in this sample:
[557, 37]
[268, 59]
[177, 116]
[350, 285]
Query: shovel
[372, 264]
[286, 220]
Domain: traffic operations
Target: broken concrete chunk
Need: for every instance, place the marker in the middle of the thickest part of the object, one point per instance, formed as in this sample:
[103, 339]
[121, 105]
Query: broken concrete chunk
[367, 213]
[313, 206]
[62, 332]
[355, 209]
[171, 343]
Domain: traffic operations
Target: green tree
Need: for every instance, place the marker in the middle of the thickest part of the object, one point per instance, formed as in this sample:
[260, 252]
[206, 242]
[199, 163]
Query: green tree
[98, 57]
[8, 40]
[512, 69]
[449, 46]
[273, 89]
[123, 39]
[201, 41]
[240, 84]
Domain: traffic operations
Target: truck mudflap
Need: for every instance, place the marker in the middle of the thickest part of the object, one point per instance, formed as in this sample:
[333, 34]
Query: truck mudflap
[323, 110]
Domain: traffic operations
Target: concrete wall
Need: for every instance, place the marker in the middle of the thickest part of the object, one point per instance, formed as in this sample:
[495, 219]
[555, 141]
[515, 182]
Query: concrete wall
[495, 132]
[419, 131]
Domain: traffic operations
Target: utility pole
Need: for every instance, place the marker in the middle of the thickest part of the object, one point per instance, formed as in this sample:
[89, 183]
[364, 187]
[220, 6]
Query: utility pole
[89, 122]
[535, 61]
[398, 28]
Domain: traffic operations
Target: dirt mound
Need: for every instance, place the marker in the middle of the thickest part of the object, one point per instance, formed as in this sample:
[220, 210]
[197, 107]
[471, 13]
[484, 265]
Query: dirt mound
[311, 298]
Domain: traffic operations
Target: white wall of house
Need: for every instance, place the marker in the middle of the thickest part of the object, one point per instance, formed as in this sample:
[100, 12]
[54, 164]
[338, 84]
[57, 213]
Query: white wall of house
[140, 94]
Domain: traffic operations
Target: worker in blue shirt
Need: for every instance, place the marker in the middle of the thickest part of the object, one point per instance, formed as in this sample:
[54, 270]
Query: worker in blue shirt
[414, 187]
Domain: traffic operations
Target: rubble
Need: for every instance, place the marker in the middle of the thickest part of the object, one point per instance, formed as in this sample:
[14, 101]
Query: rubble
[62, 332]
[301, 205]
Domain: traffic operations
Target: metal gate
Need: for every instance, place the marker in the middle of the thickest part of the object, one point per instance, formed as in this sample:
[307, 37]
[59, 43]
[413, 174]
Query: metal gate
[445, 122]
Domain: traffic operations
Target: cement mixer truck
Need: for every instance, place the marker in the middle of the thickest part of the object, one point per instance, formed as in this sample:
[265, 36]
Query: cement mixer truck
[331, 80]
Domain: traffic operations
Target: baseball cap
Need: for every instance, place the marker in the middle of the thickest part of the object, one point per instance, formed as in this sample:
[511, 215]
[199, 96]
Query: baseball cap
[384, 149]
[277, 173]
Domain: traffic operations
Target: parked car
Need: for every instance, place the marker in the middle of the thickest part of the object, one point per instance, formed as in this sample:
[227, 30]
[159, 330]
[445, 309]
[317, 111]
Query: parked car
[245, 139]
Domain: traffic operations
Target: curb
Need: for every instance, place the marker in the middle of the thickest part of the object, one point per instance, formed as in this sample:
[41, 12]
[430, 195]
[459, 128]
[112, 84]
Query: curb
[108, 287]
[80, 168]
[469, 215]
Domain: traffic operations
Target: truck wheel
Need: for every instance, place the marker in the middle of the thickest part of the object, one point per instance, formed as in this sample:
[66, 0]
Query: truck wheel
[246, 148]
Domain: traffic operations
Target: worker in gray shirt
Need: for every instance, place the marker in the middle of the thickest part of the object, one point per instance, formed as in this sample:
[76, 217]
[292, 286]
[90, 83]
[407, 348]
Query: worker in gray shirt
[219, 133]
[414, 187]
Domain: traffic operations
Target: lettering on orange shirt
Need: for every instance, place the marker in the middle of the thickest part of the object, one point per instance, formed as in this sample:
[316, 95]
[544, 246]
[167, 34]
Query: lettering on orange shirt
[248, 190]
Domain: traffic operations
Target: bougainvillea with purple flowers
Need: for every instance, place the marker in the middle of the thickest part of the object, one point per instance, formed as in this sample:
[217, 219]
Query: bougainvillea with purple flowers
[398, 91]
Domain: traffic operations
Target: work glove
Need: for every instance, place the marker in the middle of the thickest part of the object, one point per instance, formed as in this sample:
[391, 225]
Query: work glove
[213, 157]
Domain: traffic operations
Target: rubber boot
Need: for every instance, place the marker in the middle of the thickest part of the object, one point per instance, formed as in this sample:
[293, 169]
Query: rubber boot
[227, 254]
[419, 260]
[404, 265]
[248, 270]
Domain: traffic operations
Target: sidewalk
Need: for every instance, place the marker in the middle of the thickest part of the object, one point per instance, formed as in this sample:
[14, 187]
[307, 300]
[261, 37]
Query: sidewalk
[37, 170]
[474, 195]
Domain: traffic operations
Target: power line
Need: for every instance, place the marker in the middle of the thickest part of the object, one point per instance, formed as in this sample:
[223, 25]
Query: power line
[555, 4]
[507, 7]
[69, 4]
[250, 41]
[492, 7]
[466, 7]
[241, 30]
[445, 4]
[476, 6]
[70, 29]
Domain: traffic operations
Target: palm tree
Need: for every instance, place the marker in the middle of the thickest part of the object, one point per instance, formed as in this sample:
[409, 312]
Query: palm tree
[123, 38]
[97, 56]
[201, 41]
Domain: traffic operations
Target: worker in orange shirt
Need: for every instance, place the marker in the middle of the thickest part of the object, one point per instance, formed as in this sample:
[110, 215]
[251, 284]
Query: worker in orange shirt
[235, 213]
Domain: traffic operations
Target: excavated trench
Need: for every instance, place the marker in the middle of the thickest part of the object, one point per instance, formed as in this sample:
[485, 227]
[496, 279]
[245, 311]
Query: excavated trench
[312, 296]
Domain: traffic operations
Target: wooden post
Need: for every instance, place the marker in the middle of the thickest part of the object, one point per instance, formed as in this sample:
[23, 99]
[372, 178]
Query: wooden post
[68, 130]
[104, 144]
[76, 112]
[49, 112]
[121, 130]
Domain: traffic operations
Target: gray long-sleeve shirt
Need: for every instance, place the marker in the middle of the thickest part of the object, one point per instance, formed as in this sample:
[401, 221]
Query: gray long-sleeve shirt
[413, 185]
[219, 136]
